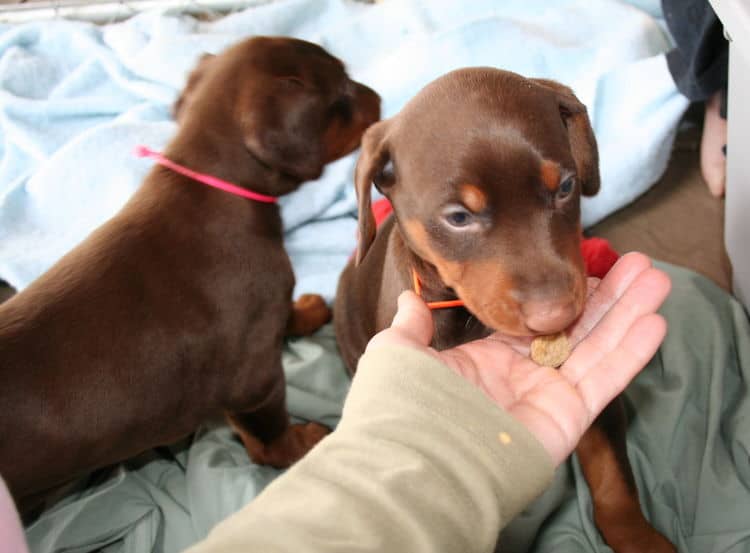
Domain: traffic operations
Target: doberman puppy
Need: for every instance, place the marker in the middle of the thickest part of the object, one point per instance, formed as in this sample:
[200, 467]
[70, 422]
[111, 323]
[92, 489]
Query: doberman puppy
[485, 170]
[176, 308]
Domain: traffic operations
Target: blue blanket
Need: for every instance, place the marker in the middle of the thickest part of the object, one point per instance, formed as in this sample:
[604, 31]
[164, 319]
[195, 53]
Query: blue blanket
[76, 98]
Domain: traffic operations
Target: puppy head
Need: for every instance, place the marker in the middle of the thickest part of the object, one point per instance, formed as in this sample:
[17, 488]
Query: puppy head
[485, 170]
[289, 102]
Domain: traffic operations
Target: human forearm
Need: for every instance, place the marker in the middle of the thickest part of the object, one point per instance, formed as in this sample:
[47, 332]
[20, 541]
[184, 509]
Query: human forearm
[421, 461]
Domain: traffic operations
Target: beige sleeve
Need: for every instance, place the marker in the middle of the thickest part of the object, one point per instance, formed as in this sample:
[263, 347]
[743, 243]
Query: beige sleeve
[422, 461]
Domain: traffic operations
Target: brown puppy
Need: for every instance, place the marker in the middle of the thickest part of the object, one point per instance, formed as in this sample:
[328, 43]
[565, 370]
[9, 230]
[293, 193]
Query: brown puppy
[485, 170]
[176, 308]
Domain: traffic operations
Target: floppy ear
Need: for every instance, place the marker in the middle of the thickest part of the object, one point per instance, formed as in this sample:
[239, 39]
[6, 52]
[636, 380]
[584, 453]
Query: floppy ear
[580, 135]
[283, 125]
[183, 101]
[372, 159]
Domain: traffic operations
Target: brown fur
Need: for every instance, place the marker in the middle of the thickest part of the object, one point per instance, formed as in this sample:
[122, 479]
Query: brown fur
[517, 265]
[175, 309]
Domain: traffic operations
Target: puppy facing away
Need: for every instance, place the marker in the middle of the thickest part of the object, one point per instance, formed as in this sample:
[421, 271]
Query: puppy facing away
[485, 170]
[175, 309]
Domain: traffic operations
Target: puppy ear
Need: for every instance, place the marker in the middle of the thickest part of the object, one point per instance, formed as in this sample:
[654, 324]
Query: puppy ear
[580, 134]
[373, 158]
[283, 132]
[180, 106]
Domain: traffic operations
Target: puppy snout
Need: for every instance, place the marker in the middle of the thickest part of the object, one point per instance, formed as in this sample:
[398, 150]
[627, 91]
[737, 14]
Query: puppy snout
[548, 316]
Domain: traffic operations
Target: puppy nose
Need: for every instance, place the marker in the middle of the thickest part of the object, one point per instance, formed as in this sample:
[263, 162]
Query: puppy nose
[548, 317]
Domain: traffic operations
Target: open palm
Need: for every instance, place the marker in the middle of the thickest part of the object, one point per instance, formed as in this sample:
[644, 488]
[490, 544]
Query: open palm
[617, 334]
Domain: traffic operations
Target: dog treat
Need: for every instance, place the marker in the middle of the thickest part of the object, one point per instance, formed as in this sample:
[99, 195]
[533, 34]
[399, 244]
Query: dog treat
[550, 351]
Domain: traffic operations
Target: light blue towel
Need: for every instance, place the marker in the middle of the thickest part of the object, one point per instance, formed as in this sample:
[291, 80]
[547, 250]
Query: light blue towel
[76, 98]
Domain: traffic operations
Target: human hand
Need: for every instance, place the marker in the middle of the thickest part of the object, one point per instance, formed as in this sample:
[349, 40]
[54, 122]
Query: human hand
[613, 340]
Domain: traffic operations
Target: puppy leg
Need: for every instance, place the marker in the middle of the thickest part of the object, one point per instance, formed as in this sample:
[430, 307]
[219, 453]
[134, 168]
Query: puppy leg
[309, 313]
[617, 511]
[267, 435]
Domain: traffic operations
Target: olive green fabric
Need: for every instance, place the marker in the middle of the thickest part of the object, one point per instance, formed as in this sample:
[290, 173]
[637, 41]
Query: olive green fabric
[689, 440]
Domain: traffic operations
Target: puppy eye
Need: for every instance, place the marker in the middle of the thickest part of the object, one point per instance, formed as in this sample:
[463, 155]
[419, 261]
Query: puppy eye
[385, 176]
[292, 82]
[565, 189]
[341, 108]
[458, 217]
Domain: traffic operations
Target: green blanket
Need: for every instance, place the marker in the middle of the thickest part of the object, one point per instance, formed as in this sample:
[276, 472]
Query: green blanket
[689, 441]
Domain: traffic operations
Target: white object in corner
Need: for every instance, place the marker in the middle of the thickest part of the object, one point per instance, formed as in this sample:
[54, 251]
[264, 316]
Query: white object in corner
[735, 16]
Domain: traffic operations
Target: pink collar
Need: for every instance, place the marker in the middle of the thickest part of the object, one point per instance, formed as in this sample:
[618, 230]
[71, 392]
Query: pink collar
[143, 151]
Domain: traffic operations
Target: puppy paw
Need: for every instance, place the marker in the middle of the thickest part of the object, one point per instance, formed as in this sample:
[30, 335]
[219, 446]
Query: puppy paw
[309, 313]
[288, 448]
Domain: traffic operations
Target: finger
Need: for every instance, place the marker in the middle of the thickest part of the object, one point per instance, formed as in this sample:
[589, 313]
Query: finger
[644, 296]
[615, 371]
[413, 318]
[608, 291]
[592, 283]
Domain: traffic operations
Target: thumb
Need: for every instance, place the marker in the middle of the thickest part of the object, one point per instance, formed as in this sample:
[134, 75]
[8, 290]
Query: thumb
[413, 318]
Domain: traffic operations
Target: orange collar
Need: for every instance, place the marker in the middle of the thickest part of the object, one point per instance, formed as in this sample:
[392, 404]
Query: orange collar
[432, 304]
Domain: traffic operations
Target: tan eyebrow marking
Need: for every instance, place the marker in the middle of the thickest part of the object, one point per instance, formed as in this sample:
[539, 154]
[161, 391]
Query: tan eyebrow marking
[473, 197]
[550, 172]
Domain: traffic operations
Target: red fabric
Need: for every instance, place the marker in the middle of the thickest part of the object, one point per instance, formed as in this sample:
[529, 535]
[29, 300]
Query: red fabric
[598, 255]
[382, 208]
